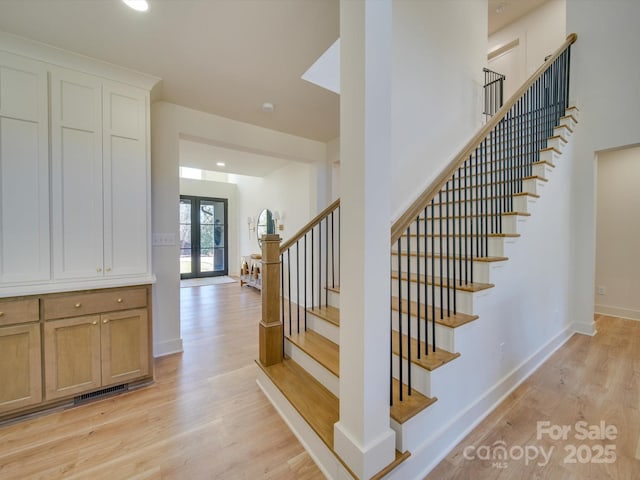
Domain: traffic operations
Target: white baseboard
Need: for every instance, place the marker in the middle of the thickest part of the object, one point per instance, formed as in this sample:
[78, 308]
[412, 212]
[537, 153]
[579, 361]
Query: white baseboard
[432, 452]
[625, 313]
[169, 347]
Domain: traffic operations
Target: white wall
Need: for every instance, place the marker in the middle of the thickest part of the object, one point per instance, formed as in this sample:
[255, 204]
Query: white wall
[539, 34]
[168, 122]
[333, 161]
[203, 188]
[439, 50]
[618, 233]
[290, 190]
[605, 76]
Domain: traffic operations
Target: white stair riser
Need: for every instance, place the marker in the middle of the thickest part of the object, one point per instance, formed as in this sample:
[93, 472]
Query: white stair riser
[463, 300]
[519, 203]
[333, 299]
[320, 373]
[324, 328]
[445, 336]
[494, 247]
[543, 170]
[420, 377]
[507, 223]
[480, 272]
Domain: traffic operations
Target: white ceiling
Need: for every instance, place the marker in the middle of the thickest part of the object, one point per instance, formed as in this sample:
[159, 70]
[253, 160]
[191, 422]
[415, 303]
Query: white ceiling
[504, 12]
[225, 57]
[196, 153]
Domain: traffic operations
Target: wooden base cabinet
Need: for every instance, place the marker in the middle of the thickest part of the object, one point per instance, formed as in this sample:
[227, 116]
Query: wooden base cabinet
[86, 353]
[20, 368]
[57, 346]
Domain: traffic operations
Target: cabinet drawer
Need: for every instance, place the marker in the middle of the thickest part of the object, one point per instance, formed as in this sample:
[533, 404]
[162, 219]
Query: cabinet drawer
[93, 302]
[18, 311]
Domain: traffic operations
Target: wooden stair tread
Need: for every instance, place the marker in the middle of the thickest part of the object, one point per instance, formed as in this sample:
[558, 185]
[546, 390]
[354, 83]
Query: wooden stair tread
[492, 182]
[335, 289]
[322, 350]
[519, 194]
[451, 321]
[400, 457]
[490, 235]
[476, 215]
[429, 362]
[469, 287]
[411, 405]
[317, 405]
[453, 257]
[328, 313]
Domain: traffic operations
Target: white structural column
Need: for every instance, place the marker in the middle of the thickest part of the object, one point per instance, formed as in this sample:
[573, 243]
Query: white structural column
[363, 437]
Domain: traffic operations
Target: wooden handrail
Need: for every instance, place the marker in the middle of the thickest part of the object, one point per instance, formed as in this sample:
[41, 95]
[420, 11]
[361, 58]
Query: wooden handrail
[304, 230]
[400, 225]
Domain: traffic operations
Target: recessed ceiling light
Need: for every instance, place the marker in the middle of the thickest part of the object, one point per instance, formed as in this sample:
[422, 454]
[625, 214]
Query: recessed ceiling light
[139, 5]
[268, 107]
[220, 164]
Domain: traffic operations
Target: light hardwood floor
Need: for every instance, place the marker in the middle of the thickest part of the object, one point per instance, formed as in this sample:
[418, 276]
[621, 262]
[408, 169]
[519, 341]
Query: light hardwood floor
[204, 418]
[590, 379]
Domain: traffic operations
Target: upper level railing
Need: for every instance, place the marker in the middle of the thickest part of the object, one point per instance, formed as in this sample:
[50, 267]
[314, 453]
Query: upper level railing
[493, 92]
[438, 241]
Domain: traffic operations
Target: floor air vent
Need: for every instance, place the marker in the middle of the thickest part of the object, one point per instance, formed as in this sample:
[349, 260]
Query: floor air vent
[105, 392]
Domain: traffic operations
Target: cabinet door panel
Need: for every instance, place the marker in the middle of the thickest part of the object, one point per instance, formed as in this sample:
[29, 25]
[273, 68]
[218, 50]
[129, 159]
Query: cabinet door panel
[24, 171]
[126, 182]
[20, 367]
[72, 356]
[125, 346]
[76, 175]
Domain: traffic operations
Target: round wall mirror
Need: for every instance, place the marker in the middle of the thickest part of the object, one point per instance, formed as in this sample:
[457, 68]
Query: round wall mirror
[265, 225]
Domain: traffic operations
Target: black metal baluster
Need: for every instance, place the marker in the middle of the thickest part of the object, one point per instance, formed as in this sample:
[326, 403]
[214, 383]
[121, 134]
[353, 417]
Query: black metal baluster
[418, 280]
[448, 252]
[320, 264]
[333, 266]
[400, 359]
[306, 261]
[289, 285]
[440, 252]
[426, 287]
[298, 285]
[408, 311]
[313, 261]
[433, 273]
[326, 262]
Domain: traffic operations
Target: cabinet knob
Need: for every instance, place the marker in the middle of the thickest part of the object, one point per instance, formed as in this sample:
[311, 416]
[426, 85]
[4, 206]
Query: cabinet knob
[108, 269]
[1, 314]
[119, 300]
[98, 269]
[94, 323]
[78, 305]
[105, 321]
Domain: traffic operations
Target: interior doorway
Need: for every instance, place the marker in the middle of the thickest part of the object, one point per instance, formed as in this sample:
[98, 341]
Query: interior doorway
[203, 237]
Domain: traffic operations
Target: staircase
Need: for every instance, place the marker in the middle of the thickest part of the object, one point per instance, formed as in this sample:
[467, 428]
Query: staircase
[446, 253]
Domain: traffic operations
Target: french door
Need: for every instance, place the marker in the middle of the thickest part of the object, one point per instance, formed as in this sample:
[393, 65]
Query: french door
[203, 237]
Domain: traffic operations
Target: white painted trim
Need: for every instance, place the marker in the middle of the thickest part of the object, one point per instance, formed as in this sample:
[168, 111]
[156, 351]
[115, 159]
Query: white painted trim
[585, 328]
[625, 313]
[65, 58]
[168, 347]
[325, 459]
[70, 286]
[440, 445]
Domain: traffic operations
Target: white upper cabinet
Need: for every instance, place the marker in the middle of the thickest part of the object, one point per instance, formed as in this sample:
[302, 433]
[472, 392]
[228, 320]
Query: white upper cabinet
[100, 177]
[24, 171]
[124, 136]
[76, 174]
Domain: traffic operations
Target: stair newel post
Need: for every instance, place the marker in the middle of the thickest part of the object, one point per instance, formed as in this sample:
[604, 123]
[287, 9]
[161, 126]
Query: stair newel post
[271, 341]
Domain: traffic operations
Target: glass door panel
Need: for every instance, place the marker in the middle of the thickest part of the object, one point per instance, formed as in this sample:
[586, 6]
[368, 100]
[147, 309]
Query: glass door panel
[185, 237]
[205, 236]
